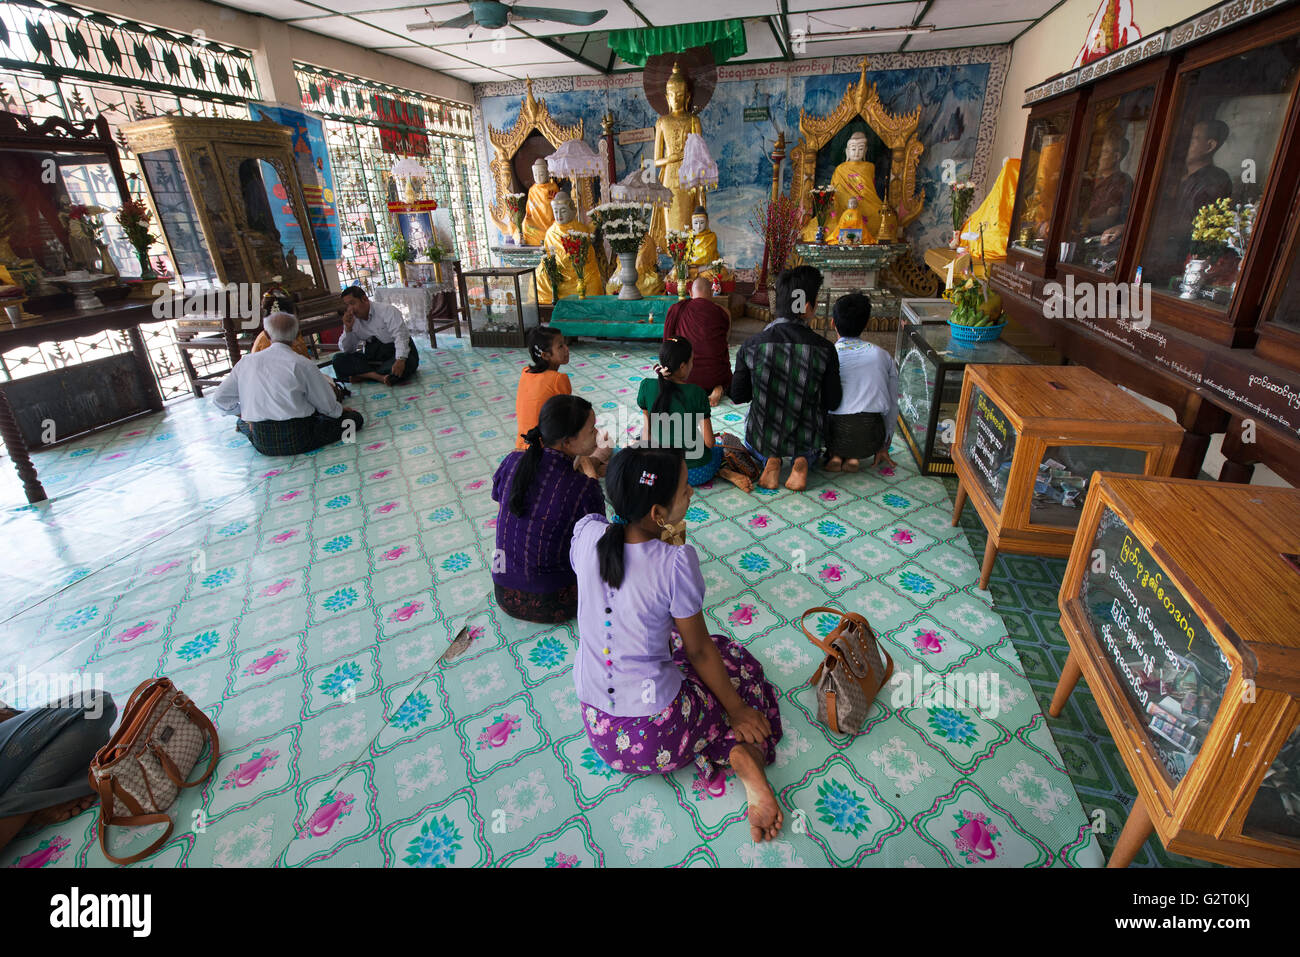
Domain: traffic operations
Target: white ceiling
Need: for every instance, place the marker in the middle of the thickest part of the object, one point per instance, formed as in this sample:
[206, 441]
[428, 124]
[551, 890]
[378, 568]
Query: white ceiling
[529, 47]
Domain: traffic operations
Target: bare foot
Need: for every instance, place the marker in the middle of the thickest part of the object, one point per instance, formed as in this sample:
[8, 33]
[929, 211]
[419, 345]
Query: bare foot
[61, 812]
[798, 480]
[741, 482]
[771, 474]
[834, 464]
[716, 395]
[765, 817]
[852, 465]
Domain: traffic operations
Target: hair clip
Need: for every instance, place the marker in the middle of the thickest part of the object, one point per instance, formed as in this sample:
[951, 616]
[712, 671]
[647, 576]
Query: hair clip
[648, 478]
[618, 519]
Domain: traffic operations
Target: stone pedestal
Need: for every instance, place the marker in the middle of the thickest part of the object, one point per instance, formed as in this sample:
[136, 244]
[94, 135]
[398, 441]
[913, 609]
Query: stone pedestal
[854, 269]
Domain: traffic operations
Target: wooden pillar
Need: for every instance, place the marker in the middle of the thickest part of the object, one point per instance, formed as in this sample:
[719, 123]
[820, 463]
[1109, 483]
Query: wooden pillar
[1240, 464]
[1200, 419]
[17, 448]
[759, 298]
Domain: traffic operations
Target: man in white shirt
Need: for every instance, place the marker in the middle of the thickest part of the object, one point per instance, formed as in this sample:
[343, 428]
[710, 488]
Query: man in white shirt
[375, 344]
[862, 425]
[285, 404]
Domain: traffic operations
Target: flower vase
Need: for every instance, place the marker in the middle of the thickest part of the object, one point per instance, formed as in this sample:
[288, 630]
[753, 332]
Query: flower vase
[1193, 278]
[821, 234]
[683, 287]
[627, 276]
[146, 271]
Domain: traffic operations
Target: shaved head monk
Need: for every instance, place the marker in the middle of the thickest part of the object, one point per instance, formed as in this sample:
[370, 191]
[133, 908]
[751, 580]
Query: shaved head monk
[706, 325]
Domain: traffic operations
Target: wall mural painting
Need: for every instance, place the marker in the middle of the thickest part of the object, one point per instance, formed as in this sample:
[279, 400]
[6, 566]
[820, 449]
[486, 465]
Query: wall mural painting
[959, 93]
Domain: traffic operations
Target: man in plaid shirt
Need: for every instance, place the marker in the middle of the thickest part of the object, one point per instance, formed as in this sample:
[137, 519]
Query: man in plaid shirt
[790, 375]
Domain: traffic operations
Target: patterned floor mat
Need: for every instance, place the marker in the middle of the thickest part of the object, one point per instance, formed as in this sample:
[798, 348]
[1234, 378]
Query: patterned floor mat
[305, 603]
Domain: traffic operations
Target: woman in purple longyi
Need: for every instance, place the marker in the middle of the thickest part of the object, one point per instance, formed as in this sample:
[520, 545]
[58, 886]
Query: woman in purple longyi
[658, 691]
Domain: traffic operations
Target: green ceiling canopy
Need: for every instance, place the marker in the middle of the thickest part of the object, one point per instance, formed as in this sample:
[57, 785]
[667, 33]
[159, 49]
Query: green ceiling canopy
[726, 38]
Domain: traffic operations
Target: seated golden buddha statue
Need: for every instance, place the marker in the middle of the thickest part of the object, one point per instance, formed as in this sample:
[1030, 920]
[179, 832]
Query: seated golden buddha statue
[703, 251]
[538, 215]
[854, 178]
[566, 223]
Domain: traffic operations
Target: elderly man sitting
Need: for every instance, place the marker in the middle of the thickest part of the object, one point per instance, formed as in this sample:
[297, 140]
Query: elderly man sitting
[706, 326]
[285, 403]
[375, 344]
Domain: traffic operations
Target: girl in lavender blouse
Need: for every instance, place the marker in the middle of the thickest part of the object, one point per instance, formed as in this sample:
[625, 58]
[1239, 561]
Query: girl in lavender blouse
[542, 498]
[658, 691]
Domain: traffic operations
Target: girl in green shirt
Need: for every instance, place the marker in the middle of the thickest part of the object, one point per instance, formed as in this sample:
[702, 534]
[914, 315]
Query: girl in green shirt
[676, 416]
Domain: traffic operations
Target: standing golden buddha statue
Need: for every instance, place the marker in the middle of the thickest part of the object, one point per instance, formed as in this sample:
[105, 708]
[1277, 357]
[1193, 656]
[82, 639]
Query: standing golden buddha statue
[538, 216]
[671, 131]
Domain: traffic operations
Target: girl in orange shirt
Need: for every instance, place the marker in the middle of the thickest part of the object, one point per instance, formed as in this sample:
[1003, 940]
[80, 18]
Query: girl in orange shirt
[541, 380]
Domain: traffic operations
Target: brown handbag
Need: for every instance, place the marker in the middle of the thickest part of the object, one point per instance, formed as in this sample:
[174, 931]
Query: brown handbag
[140, 772]
[852, 673]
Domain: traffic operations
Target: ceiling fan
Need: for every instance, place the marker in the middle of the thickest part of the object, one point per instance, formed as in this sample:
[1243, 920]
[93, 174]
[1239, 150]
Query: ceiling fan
[492, 14]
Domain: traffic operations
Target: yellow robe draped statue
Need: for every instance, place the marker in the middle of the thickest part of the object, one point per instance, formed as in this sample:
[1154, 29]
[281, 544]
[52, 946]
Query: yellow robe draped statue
[995, 213]
[538, 215]
[850, 219]
[568, 273]
[851, 178]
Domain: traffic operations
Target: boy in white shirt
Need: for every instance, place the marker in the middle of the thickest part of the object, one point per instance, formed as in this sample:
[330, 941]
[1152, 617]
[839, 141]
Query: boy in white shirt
[863, 424]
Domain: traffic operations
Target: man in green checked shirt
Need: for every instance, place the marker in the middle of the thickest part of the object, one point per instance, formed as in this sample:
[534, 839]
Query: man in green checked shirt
[790, 375]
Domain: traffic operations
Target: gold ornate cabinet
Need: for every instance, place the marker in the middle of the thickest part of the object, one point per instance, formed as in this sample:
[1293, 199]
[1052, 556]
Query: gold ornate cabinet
[229, 201]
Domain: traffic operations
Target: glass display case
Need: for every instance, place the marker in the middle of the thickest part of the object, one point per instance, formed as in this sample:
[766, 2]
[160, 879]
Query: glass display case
[60, 186]
[229, 202]
[1042, 165]
[1030, 437]
[930, 367]
[1116, 132]
[1187, 665]
[1220, 154]
[499, 305]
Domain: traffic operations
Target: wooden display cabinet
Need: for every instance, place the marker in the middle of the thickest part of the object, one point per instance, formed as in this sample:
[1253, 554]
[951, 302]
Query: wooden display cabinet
[1046, 166]
[1205, 110]
[1029, 439]
[1179, 605]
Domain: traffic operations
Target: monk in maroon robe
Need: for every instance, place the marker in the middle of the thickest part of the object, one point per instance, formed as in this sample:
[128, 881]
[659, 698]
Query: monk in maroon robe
[706, 325]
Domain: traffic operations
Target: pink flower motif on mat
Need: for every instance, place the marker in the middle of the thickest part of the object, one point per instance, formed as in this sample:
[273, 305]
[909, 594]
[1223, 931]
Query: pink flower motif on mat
[386, 508]
[477, 632]
[709, 788]
[406, 612]
[47, 852]
[461, 454]
[284, 536]
[928, 641]
[742, 614]
[395, 553]
[830, 495]
[886, 470]
[289, 495]
[262, 665]
[902, 536]
[327, 815]
[374, 446]
[758, 521]
[490, 523]
[115, 455]
[159, 569]
[442, 408]
[447, 431]
[271, 474]
[475, 486]
[383, 474]
[831, 573]
[275, 589]
[135, 631]
[246, 772]
[136, 432]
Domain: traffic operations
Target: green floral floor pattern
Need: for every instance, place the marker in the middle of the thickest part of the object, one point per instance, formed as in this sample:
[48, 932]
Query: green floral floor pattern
[305, 603]
[1025, 589]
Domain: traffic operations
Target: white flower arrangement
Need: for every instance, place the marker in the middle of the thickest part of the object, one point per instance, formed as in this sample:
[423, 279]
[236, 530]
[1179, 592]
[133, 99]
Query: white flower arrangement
[624, 225]
[718, 265]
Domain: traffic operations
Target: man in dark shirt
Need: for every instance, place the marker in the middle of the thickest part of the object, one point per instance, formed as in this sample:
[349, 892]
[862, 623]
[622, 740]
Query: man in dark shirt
[705, 325]
[1202, 184]
[791, 377]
